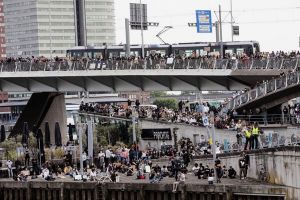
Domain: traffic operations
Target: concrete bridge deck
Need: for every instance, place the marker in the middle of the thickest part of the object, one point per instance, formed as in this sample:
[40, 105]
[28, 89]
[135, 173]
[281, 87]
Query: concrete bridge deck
[86, 76]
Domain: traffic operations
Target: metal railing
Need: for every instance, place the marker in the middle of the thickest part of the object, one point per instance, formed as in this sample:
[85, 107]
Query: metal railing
[263, 89]
[150, 64]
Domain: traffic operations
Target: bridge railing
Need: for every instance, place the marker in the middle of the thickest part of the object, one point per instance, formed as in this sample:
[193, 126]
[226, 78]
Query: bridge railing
[280, 83]
[148, 64]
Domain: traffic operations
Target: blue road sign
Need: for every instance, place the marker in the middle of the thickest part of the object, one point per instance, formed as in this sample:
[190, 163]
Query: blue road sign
[203, 21]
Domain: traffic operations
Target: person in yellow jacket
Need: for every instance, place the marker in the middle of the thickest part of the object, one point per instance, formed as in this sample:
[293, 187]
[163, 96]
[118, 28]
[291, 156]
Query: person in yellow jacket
[255, 133]
[247, 133]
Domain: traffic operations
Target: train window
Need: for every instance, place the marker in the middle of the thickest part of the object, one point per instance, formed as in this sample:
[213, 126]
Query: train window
[122, 54]
[240, 51]
[98, 55]
[203, 53]
[188, 53]
[229, 51]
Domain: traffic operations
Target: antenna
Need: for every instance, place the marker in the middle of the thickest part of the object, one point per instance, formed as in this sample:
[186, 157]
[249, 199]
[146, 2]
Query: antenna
[165, 29]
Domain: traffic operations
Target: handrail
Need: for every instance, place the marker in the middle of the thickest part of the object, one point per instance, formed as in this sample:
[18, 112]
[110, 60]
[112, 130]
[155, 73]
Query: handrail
[265, 88]
[150, 64]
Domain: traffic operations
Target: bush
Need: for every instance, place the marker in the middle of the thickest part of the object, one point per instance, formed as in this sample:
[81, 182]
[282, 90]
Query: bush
[169, 103]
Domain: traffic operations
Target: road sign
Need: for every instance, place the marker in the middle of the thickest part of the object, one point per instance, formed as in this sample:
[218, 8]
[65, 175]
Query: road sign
[205, 121]
[236, 30]
[204, 22]
[135, 16]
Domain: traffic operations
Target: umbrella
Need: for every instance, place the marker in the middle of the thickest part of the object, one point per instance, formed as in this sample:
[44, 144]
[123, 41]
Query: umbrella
[25, 134]
[70, 131]
[3, 135]
[47, 135]
[57, 135]
[40, 142]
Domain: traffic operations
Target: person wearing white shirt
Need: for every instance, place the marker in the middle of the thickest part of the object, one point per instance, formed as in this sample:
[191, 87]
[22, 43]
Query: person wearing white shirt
[181, 181]
[45, 173]
[108, 155]
[9, 168]
[101, 157]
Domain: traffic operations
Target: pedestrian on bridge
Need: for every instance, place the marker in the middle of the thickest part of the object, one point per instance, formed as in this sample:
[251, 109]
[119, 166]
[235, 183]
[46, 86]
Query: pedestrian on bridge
[248, 136]
[255, 132]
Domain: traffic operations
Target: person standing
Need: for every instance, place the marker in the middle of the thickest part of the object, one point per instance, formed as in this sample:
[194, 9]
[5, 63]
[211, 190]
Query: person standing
[27, 157]
[9, 168]
[218, 169]
[242, 165]
[255, 132]
[247, 133]
[101, 158]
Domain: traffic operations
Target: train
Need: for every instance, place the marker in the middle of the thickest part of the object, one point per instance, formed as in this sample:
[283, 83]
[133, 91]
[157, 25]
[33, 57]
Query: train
[187, 49]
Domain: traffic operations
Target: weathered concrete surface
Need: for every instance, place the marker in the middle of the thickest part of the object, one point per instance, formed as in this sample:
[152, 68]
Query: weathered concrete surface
[130, 188]
[57, 113]
[194, 132]
[282, 165]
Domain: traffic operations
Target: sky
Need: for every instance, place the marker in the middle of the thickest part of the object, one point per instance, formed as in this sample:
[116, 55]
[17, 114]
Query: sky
[275, 24]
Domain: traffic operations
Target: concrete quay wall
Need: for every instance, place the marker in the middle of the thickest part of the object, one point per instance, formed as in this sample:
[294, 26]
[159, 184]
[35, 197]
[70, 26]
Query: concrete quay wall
[33, 190]
[194, 132]
[282, 165]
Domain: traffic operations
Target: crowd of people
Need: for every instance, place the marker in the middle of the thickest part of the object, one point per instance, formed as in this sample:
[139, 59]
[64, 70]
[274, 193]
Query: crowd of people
[110, 165]
[157, 60]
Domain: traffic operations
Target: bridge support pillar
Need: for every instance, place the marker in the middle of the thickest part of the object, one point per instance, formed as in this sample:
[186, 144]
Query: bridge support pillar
[56, 113]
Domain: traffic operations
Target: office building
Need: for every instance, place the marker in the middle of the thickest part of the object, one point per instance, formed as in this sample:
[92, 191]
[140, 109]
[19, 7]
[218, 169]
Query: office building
[49, 27]
[2, 32]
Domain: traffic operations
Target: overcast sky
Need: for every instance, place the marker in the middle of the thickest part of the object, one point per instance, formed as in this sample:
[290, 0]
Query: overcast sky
[274, 23]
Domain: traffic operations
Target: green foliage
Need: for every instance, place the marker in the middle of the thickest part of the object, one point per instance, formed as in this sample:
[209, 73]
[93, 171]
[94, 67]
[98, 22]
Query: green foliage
[112, 134]
[10, 147]
[169, 103]
[157, 94]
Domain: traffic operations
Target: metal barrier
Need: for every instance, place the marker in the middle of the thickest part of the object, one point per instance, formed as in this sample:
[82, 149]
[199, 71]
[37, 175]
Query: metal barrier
[265, 88]
[148, 64]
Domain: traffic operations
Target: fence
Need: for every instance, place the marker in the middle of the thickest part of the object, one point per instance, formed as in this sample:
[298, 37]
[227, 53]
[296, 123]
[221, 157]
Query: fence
[149, 64]
[267, 87]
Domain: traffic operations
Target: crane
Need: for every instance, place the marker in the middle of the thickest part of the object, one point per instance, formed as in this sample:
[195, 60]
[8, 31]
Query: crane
[165, 29]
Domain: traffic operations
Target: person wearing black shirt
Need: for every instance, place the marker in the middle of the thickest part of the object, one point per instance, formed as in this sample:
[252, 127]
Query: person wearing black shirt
[201, 171]
[206, 172]
[231, 172]
[218, 168]
[242, 165]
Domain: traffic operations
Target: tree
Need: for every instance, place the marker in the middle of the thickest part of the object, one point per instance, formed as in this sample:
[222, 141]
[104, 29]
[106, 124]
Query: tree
[157, 94]
[169, 103]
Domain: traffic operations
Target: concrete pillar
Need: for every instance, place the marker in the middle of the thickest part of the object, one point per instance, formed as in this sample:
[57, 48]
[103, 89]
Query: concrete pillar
[57, 113]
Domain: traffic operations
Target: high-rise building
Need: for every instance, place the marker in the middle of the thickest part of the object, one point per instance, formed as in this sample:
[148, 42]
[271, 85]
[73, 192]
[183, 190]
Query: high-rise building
[49, 27]
[100, 22]
[2, 32]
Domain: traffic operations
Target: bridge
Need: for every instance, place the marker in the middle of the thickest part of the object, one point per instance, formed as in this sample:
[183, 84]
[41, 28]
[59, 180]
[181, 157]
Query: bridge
[157, 75]
[269, 94]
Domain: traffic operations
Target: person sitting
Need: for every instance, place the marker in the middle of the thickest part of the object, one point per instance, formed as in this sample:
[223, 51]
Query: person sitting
[206, 172]
[201, 171]
[93, 175]
[67, 169]
[231, 172]
[195, 169]
[152, 177]
[165, 171]
[21, 177]
[60, 174]
[210, 179]
[225, 172]
[181, 181]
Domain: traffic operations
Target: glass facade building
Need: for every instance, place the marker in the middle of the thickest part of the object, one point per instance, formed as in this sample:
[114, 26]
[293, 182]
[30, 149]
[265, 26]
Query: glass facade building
[50, 27]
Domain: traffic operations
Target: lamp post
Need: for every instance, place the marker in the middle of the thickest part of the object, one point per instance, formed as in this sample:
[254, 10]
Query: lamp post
[142, 29]
[50, 27]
